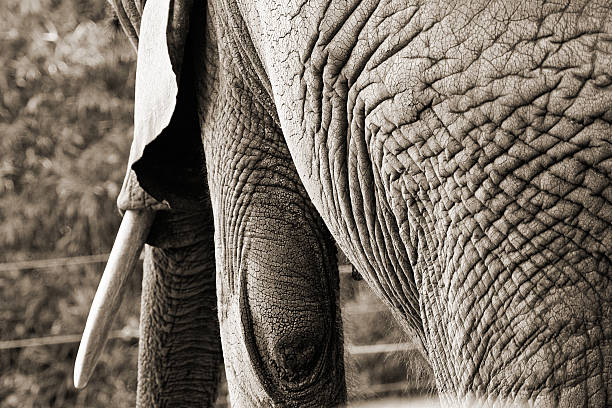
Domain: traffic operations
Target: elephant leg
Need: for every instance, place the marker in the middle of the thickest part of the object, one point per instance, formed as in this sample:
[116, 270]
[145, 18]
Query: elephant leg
[276, 264]
[278, 279]
[180, 351]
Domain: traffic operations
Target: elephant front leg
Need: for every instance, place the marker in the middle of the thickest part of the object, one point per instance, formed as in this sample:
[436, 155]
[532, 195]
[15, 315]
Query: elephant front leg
[180, 350]
[278, 280]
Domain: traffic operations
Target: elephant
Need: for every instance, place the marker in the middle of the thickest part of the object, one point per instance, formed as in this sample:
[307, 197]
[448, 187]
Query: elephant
[459, 153]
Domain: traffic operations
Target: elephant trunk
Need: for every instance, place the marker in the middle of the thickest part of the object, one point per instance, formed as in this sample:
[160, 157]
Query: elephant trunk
[180, 355]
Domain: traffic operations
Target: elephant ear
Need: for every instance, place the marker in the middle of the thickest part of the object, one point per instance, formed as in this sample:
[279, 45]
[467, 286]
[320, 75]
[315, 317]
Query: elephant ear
[166, 164]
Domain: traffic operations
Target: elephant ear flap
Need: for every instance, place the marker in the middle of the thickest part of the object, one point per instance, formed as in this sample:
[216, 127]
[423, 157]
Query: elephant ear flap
[166, 159]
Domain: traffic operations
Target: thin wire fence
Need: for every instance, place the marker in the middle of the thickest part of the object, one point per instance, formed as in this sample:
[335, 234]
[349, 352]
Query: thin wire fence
[124, 334]
[53, 263]
[130, 334]
[85, 260]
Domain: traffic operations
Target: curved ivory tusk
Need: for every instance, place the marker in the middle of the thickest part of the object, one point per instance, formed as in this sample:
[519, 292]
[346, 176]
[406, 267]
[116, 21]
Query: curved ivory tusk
[130, 239]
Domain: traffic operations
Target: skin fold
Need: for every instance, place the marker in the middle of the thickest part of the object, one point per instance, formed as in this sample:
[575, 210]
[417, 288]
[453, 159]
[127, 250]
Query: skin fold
[459, 153]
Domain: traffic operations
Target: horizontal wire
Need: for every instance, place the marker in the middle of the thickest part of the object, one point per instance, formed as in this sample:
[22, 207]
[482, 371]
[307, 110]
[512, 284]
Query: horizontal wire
[99, 258]
[357, 310]
[124, 334]
[374, 389]
[380, 348]
[130, 334]
[53, 263]
[88, 259]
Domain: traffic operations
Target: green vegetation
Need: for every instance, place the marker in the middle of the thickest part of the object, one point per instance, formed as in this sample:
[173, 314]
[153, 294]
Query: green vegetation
[66, 105]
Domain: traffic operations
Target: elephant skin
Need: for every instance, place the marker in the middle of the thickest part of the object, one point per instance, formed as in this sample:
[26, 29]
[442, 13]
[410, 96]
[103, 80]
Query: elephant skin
[458, 152]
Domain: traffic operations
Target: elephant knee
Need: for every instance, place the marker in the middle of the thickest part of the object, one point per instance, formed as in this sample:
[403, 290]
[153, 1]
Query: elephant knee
[290, 313]
[290, 344]
[293, 359]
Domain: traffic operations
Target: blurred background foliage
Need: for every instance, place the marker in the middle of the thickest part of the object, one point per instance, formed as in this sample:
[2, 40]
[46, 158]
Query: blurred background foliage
[66, 106]
[65, 120]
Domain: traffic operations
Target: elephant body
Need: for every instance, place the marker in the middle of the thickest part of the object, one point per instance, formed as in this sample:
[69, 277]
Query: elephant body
[458, 152]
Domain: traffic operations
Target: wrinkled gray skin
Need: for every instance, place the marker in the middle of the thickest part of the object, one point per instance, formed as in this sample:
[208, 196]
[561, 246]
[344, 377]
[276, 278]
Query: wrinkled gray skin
[460, 154]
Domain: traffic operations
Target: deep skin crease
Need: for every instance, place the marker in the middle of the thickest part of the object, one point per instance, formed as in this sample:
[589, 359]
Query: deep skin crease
[459, 153]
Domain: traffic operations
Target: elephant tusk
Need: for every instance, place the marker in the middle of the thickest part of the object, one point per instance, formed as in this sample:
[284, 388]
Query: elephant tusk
[130, 239]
